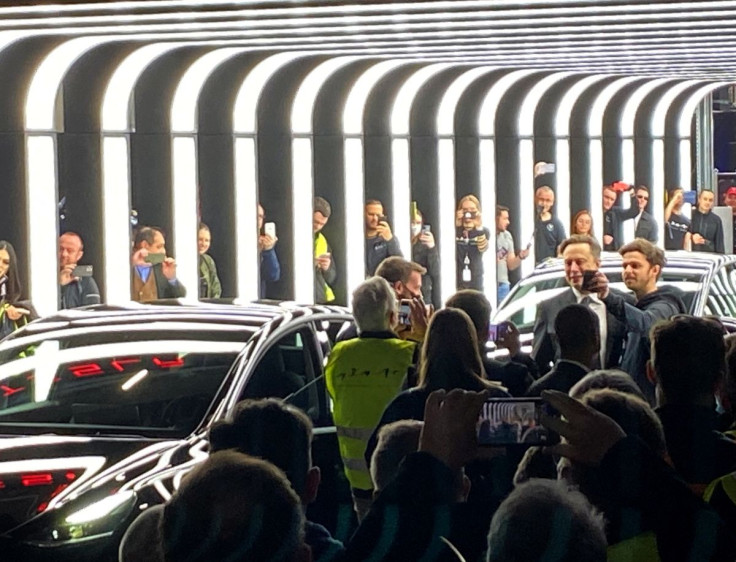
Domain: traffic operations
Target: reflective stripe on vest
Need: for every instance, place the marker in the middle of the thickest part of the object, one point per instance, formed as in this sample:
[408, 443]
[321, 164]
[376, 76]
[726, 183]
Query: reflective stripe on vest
[363, 375]
[320, 248]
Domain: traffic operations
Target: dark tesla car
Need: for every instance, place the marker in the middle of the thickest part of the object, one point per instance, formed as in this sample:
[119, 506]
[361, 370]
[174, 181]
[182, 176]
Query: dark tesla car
[103, 411]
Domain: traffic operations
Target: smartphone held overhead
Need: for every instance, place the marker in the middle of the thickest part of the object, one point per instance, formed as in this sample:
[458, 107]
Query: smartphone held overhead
[269, 229]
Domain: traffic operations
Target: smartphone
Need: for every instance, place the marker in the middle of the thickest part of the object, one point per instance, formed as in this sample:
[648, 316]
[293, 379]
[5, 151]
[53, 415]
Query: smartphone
[269, 229]
[588, 276]
[82, 271]
[383, 218]
[496, 332]
[405, 312]
[514, 421]
[426, 228]
[155, 258]
[548, 168]
[690, 197]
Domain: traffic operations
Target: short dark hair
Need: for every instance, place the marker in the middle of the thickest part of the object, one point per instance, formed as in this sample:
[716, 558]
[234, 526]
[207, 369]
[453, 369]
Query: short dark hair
[653, 254]
[395, 268]
[595, 247]
[576, 326]
[688, 356]
[373, 202]
[203, 226]
[269, 429]
[233, 504]
[501, 209]
[477, 306]
[642, 188]
[322, 206]
[145, 234]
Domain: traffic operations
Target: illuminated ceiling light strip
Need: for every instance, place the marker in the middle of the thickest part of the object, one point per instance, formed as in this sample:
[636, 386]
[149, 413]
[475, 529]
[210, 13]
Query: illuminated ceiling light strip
[185, 204]
[400, 154]
[659, 117]
[354, 176]
[302, 186]
[445, 236]
[684, 122]
[245, 122]
[487, 160]
[627, 123]
[595, 133]
[525, 126]
[562, 148]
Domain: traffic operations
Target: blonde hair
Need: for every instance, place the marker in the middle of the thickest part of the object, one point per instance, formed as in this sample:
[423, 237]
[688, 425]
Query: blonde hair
[473, 199]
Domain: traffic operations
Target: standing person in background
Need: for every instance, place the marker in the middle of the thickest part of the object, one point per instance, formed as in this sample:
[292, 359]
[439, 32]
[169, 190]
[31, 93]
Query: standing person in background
[548, 230]
[424, 252]
[209, 282]
[582, 223]
[506, 258]
[380, 242]
[613, 216]
[472, 241]
[644, 224]
[729, 199]
[270, 266]
[706, 229]
[14, 312]
[74, 291]
[154, 273]
[325, 272]
[676, 224]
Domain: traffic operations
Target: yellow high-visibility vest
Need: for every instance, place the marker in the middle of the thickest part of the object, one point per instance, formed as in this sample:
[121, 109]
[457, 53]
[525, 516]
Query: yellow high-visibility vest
[320, 248]
[363, 375]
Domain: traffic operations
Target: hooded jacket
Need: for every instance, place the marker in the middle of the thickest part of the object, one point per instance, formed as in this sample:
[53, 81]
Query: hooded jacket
[638, 319]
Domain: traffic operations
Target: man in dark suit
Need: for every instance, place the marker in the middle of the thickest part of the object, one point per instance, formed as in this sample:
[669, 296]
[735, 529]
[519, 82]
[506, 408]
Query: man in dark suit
[580, 253]
[645, 225]
[577, 330]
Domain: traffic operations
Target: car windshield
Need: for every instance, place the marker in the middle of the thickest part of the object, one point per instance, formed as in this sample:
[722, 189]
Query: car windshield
[521, 305]
[153, 383]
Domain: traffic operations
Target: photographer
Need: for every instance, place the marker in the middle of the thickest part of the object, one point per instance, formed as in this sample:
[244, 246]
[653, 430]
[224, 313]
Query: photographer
[424, 252]
[548, 230]
[706, 229]
[471, 239]
[613, 216]
[380, 243]
[76, 288]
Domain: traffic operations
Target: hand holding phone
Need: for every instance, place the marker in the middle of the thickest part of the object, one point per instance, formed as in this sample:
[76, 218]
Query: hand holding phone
[514, 421]
[154, 259]
[405, 312]
[269, 229]
[588, 280]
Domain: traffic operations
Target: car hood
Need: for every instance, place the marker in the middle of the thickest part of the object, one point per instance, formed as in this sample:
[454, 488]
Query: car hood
[44, 471]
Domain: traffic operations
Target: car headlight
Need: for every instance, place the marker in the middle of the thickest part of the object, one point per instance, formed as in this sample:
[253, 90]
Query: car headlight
[71, 522]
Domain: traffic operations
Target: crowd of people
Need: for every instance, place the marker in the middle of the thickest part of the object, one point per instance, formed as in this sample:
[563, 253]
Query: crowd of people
[642, 395]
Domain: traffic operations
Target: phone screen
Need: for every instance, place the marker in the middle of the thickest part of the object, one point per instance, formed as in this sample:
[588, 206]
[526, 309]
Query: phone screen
[588, 276]
[513, 421]
[155, 258]
[269, 229]
[405, 313]
[425, 228]
[493, 332]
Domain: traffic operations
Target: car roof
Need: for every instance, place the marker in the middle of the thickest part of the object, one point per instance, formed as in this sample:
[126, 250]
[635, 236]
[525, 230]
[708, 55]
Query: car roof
[225, 312]
[680, 259]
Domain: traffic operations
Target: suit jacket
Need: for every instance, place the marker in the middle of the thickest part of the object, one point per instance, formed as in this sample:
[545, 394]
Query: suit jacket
[647, 228]
[545, 349]
[164, 289]
[563, 376]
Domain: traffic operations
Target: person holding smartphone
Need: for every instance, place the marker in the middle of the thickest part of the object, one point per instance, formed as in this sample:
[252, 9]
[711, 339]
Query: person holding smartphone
[506, 258]
[471, 239]
[14, 311]
[270, 267]
[325, 272]
[154, 273]
[76, 284]
[380, 243]
[676, 224]
[424, 252]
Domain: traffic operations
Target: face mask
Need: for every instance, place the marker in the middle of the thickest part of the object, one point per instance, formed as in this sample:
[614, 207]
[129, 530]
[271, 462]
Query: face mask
[416, 229]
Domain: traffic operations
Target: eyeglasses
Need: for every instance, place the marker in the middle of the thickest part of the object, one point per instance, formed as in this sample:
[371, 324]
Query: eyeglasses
[644, 197]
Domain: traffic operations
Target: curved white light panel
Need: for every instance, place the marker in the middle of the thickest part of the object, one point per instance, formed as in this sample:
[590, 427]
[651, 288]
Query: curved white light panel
[352, 123]
[302, 185]
[400, 152]
[487, 159]
[562, 143]
[41, 180]
[595, 132]
[245, 121]
[684, 133]
[445, 235]
[526, 168]
[627, 122]
[184, 177]
[659, 117]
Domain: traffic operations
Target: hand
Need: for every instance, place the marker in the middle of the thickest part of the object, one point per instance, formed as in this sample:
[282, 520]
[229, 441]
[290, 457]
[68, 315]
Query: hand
[419, 314]
[427, 238]
[523, 254]
[459, 215]
[324, 261]
[139, 257]
[384, 231]
[65, 275]
[607, 239]
[15, 312]
[482, 242]
[266, 242]
[449, 426]
[599, 285]
[168, 268]
[588, 433]
[698, 239]
[510, 338]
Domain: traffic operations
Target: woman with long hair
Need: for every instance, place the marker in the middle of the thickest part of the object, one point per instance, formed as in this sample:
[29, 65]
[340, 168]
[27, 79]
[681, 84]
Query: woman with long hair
[582, 223]
[471, 240]
[14, 313]
[449, 359]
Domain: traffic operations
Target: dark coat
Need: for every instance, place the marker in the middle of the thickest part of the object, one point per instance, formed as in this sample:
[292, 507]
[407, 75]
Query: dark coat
[563, 376]
[377, 249]
[545, 350]
[647, 228]
[612, 220]
[428, 258]
[81, 292]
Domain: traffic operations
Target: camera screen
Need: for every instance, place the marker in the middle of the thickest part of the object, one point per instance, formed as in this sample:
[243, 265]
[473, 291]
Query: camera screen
[510, 421]
[404, 314]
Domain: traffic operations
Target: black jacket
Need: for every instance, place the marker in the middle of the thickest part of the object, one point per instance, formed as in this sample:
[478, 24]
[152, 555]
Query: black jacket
[710, 227]
[647, 228]
[429, 258]
[563, 376]
[376, 250]
[466, 246]
[612, 220]
[81, 292]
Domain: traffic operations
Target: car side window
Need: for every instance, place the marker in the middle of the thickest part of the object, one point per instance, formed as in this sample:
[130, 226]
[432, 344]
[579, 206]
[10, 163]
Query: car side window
[721, 299]
[288, 371]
